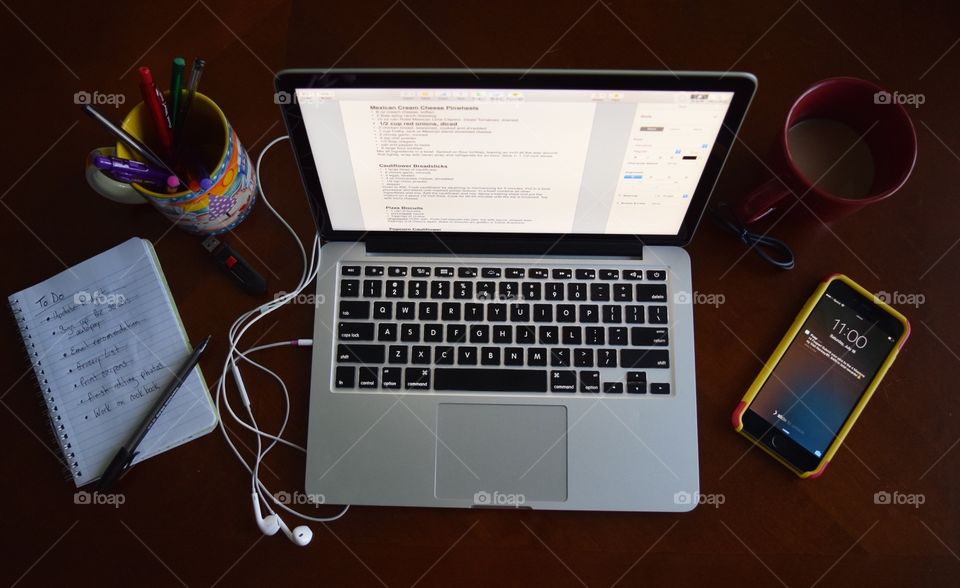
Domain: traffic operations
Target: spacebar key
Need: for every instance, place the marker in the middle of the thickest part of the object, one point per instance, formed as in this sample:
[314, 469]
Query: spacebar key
[489, 380]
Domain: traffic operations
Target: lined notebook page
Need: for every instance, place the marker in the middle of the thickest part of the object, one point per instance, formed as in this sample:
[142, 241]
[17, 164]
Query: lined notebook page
[105, 338]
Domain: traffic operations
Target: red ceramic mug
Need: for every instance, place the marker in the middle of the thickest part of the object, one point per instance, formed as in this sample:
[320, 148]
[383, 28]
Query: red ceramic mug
[845, 145]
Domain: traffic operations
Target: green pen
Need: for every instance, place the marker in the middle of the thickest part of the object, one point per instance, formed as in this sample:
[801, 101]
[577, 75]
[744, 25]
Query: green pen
[176, 84]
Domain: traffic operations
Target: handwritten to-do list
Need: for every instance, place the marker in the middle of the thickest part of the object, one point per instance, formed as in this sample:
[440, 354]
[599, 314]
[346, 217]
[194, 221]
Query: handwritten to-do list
[105, 339]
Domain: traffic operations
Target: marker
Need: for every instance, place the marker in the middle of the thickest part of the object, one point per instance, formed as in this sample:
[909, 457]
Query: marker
[173, 184]
[176, 83]
[195, 72]
[157, 107]
[206, 184]
[129, 140]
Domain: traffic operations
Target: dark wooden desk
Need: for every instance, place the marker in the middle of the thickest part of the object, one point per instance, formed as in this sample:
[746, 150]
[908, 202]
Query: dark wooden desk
[187, 515]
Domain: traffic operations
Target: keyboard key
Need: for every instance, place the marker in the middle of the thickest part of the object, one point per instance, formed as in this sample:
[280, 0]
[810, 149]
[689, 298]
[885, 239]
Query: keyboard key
[586, 274]
[526, 334]
[594, 336]
[440, 288]
[612, 313]
[480, 334]
[443, 272]
[566, 313]
[382, 310]
[617, 335]
[651, 292]
[590, 382]
[613, 388]
[397, 354]
[450, 311]
[608, 274]
[536, 356]
[562, 274]
[589, 313]
[345, 376]
[632, 274]
[519, 313]
[563, 381]
[508, 290]
[421, 272]
[543, 313]
[360, 353]
[531, 290]
[490, 356]
[443, 355]
[503, 334]
[373, 270]
[466, 356]
[490, 380]
[634, 313]
[416, 378]
[636, 383]
[644, 358]
[417, 289]
[405, 311]
[622, 293]
[456, 333]
[467, 272]
[486, 290]
[463, 290]
[599, 292]
[548, 335]
[390, 378]
[372, 288]
[355, 309]
[396, 272]
[583, 357]
[606, 358]
[659, 388]
[560, 357]
[658, 315]
[350, 270]
[553, 291]
[658, 275]
[538, 273]
[433, 333]
[648, 337]
[572, 336]
[420, 354]
[428, 311]
[395, 288]
[576, 291]
[355, 331]
[349, 288]
[514, 272]
[496, 312]
[472, 311]
[513, 356]
[410, 333]
[490, 272]
[367, 377]
[387, 332]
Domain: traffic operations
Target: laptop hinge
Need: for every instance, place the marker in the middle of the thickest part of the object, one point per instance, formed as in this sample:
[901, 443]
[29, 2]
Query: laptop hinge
[568, 245]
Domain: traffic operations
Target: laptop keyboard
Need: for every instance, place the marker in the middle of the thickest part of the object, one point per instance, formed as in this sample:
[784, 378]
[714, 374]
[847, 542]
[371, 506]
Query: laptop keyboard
[486, 328]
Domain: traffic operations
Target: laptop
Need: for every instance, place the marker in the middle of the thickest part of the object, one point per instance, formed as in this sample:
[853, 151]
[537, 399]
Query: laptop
[503, 312]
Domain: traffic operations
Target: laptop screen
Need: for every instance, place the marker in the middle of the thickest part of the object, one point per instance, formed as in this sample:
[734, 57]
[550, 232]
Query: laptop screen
[510, 160]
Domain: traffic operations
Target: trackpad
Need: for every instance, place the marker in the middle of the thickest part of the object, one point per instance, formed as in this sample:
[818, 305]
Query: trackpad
[501, 454]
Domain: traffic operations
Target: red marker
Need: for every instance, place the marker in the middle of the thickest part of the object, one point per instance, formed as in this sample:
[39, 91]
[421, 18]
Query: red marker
[157, 106]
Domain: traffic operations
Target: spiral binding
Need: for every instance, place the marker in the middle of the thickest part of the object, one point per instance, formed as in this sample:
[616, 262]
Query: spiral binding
[53, 411]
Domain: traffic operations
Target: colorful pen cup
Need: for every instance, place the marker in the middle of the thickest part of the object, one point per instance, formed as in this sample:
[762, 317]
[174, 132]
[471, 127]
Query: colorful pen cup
[208, 137]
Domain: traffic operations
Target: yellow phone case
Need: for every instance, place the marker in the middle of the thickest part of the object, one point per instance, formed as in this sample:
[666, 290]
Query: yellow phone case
[782, 348]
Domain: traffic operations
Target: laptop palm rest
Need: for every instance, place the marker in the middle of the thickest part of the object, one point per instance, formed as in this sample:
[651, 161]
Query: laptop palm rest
[501, 454]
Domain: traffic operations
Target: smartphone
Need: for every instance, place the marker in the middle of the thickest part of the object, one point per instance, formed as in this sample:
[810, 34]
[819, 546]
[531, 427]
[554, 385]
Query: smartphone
[821, 375]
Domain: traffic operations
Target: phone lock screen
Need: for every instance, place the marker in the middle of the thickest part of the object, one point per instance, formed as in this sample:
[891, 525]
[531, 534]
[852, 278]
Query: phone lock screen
[827, 368]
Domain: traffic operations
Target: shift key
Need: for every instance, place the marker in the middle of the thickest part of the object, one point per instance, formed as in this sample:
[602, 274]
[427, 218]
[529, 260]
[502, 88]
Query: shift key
[355, 309]
[356, 353]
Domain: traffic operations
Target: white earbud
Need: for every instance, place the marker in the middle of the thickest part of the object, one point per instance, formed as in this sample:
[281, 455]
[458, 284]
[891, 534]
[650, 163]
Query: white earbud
[270, 524]
[301, 535]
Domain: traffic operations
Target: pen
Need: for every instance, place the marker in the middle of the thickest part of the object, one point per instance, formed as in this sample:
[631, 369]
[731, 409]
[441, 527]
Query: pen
[128, 451]
[176, 81]
[132, 142]
[196, 70]
[157, 107]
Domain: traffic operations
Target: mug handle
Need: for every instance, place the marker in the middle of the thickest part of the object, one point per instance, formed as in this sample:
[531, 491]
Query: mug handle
[762, 201]
[108, 187]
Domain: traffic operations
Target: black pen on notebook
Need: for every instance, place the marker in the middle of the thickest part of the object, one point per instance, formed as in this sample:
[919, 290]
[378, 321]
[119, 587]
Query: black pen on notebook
[128, 450]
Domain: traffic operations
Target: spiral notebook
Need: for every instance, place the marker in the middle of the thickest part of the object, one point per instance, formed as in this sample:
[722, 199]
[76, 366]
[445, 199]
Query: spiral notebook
[104, 338]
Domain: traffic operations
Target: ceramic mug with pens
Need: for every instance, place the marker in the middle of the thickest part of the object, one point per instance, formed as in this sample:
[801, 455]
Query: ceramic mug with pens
[210, 150]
